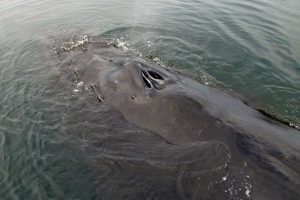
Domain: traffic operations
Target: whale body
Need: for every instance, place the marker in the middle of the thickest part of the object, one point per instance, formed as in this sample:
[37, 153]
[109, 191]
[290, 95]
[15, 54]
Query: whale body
[222, 147]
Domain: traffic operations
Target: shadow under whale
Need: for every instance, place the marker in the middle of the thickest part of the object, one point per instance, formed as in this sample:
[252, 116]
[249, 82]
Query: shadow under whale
[223, 148]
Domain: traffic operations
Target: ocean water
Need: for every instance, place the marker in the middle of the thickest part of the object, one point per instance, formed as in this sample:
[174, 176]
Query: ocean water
[47, 132]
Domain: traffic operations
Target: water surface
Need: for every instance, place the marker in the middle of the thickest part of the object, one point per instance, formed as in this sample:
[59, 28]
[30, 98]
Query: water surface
[251, 48]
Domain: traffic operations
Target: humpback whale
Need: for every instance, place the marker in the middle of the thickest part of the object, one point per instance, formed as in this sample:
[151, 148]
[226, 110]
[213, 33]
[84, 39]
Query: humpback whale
[221, 147]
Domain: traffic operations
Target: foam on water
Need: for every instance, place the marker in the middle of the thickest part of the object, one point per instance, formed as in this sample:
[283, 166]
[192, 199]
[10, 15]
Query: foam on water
[73, 43]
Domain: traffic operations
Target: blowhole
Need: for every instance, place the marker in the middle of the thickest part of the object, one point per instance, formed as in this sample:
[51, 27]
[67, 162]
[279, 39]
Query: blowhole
[145, 77]
[155, 75]
[145, 74]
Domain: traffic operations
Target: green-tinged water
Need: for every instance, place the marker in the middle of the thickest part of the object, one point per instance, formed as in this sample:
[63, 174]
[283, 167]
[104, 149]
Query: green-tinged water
[251, 48]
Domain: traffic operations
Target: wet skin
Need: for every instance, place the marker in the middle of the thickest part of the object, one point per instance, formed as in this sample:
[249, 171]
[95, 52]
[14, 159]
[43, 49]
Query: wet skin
[184, 112]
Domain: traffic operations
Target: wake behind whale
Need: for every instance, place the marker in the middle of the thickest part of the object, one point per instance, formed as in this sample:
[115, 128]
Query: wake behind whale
[173, 138]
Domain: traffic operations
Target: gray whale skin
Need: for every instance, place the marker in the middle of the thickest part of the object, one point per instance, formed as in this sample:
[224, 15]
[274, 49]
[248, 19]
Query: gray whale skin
[183, 112]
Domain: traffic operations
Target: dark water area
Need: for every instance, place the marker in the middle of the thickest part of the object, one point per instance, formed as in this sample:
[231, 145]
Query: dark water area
[53, 142]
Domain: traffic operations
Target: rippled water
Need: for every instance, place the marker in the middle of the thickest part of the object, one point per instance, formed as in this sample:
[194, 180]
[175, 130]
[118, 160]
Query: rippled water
[48, 132]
